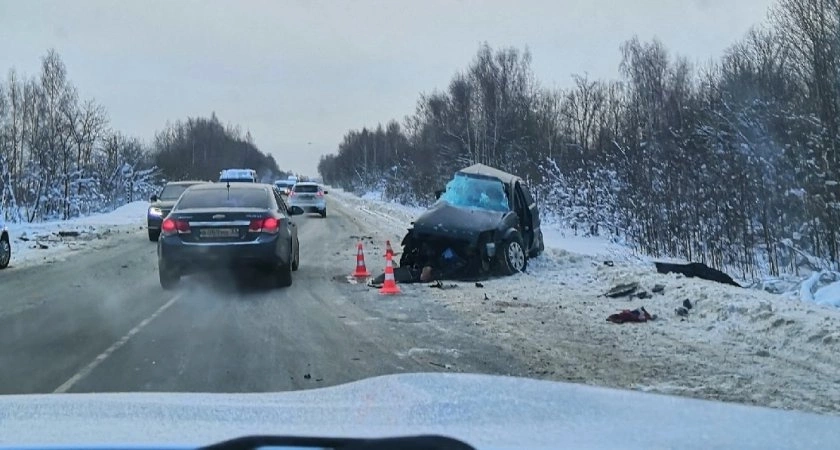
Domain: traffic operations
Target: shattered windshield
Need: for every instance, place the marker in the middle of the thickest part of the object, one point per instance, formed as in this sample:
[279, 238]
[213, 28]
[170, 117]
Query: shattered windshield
[473, 192]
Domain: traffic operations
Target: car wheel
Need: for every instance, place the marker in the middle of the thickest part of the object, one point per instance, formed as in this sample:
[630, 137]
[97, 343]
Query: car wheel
[168, 278]
[154, 235]
[512, 258]
[323, 213]
[284, 275]
[296, 261]
[5, 252]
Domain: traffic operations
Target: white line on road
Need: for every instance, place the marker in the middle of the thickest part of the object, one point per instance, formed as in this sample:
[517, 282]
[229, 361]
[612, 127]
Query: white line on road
[114, 347]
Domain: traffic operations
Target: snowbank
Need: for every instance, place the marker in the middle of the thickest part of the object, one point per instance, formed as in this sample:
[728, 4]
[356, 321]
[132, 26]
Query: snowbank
[829, 295]
[35, 243]
[396, 217]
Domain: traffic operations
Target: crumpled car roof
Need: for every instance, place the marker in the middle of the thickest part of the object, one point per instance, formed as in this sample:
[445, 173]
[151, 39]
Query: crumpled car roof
[487, 171]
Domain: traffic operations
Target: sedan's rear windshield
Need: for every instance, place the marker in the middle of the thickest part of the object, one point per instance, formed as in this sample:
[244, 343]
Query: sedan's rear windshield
[306, 188]
[224, 198]
[173, 191]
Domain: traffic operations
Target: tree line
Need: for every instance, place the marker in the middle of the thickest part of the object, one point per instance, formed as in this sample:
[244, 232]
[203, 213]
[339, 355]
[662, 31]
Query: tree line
[60, 158]
[198, 148]
[733, 163]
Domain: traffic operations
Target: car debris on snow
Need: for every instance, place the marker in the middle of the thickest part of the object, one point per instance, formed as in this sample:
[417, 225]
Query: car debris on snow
[698, 270]
[622, 290]
[658, 288]
[439, 285]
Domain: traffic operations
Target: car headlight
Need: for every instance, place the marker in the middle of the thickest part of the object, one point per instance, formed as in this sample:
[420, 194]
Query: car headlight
[155, 212]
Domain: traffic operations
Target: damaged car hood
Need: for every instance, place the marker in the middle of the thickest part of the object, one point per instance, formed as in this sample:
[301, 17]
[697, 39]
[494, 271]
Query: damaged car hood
[445, 220]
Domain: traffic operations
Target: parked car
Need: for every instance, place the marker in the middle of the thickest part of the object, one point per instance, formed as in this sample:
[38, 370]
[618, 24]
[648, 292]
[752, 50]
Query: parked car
[162, 203]
[238, 175]
[233, 226]
[486, 221]
[5, 244]
[310, 197]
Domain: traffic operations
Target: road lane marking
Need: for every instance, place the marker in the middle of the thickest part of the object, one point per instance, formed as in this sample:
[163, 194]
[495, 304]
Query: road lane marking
[114, 347]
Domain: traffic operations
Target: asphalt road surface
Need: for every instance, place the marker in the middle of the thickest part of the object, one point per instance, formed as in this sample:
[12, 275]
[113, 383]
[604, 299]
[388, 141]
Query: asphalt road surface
[99, 322]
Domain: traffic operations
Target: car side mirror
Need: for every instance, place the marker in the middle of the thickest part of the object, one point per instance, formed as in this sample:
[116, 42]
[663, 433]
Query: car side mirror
[154, 198]
[295, 210]
[438, 193]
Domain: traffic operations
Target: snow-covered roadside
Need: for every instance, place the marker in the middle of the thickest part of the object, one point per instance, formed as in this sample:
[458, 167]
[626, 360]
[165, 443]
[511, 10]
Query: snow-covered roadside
[36, 243]
[742, 345]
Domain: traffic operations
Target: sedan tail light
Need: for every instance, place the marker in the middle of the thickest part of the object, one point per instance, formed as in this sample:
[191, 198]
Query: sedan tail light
[268, 225]
[174, 226]
[320, 194]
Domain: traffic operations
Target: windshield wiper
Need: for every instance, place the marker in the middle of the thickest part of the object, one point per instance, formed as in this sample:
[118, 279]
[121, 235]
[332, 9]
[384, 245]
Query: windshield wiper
[425, 442]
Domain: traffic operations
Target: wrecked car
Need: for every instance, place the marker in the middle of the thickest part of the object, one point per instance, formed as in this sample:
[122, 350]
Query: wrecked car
[485, 222]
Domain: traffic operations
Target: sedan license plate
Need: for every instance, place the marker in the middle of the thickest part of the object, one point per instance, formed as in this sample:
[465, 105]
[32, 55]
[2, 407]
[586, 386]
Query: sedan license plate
[218, 233]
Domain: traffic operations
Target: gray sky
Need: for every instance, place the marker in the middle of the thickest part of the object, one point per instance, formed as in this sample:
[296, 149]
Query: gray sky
[295, 72]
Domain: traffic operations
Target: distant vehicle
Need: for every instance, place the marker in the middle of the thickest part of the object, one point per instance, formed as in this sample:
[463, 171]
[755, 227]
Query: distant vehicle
[284, 186]
[485, 221]
[238, 176]
[235, 226]
[5, 244]
[310, 197]
[162, 203]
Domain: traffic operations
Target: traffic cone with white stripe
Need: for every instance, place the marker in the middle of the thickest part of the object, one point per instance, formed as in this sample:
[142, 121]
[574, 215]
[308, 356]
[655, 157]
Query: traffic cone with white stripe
[389, 287]
[361, 269]
[388, 249]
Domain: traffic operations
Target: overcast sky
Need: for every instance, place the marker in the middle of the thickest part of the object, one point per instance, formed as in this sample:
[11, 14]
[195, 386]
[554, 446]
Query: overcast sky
[301, 72]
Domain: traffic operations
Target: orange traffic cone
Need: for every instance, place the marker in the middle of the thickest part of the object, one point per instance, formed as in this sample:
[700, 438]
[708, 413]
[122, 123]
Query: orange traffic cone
[390, 284]
[361, 270]
[388, 249]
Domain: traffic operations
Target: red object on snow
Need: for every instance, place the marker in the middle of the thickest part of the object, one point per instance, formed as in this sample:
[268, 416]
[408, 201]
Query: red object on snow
[636, 315]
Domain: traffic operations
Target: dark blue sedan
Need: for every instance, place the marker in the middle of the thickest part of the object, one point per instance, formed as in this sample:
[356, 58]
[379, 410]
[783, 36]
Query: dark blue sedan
[229, 225]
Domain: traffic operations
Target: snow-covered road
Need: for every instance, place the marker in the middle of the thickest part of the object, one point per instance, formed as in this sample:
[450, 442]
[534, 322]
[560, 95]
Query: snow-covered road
[741, 345]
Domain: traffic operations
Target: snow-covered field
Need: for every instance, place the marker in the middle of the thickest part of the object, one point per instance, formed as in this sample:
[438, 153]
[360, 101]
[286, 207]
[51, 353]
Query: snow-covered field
[735, 344]
[36, 243]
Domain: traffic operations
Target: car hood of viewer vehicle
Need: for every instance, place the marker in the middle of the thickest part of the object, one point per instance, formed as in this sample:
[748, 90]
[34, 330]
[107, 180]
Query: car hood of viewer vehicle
[485, 411]
[443, 219]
